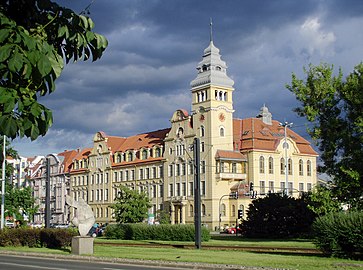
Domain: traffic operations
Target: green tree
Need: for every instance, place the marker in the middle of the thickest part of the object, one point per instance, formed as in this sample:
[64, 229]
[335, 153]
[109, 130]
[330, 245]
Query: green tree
[36, 38]
[163, 217]
[131, 206]
[322, 201]
[334, 107]
[277, 216]
[19, 202]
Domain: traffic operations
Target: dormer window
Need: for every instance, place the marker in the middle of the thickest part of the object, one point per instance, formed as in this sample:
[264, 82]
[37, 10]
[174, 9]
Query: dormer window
[157, 152]
[129, 156]
[144, 154]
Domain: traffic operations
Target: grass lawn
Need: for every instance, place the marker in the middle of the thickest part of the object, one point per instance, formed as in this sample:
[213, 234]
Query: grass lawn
[286, 261]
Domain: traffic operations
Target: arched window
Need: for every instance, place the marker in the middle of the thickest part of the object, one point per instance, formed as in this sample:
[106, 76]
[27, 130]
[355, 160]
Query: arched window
[282, 166]
[223, 210]
[301, 167]
[308, 167]
[270, 165]
[144, 154]
[202, 131]
[262, 164]
[118, 158]
[221, 131]
[129, 156]
[289, 165]
[233, 211]
[225, 96]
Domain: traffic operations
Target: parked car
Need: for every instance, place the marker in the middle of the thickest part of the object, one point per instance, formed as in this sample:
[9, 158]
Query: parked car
[233, 230]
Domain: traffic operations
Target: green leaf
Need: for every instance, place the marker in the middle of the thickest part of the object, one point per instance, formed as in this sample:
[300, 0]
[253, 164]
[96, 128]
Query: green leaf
[57, 63]
[5, 51]
[4, 33]
[36, 109]
[63, 31]
[44, 65]
[15, 62]
[8, 126]
[83, 21]
[34, 132]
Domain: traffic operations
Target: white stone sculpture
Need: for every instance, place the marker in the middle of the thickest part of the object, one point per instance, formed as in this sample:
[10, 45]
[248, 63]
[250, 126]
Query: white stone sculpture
[84, 218]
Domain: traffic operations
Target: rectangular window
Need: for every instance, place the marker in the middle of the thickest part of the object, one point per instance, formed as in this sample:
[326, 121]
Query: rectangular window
[191, 188]
[177, 169]
[190, 168]
[177, 189]
[141, 174]
[161, 172]
[262, 187]
[271, 186]
[282, 187]
[153, 172]
[127, 175]
[171, 191]
[106, 178]
[291, 187]
[170, 171]
[154, 187]
[183, 169]
[161, 190]
[132, 176]
[121, 176]
[221, 167]
[184, 189]
[202, 168]
[147, 171]
[115, 174]
[234, 167]
[202, 188]
[308, 187]
[106, 194]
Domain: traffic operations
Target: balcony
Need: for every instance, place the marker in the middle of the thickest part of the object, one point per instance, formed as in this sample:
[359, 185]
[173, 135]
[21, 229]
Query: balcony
[229, 176]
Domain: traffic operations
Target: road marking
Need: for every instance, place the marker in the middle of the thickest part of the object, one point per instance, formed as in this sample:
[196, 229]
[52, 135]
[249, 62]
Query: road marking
[32, 266]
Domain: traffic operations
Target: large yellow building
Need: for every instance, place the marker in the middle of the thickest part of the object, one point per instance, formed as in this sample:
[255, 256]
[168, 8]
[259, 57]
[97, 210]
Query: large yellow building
[233, 154]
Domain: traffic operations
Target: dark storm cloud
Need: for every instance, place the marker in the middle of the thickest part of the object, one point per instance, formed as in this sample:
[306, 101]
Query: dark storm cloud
[154, 47]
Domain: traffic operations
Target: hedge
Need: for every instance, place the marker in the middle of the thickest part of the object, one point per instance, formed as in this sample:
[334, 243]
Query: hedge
[50, 238]
[165, 232]
[340, 234]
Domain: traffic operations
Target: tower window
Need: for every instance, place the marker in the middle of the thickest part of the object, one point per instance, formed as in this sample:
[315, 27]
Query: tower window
[202, 131]
[221, 132]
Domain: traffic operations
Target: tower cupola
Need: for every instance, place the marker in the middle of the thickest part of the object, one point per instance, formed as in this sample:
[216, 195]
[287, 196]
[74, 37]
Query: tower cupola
[212, 70]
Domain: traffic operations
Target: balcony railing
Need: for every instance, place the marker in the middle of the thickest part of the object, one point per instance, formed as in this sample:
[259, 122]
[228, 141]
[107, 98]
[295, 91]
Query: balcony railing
[231, 176]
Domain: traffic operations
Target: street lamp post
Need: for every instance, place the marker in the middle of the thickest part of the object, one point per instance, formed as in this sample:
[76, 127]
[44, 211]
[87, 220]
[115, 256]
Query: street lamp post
[285, 125]
[3, 187]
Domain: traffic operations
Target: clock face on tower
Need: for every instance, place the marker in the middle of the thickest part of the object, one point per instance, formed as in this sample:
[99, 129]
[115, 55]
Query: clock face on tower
[222, 117]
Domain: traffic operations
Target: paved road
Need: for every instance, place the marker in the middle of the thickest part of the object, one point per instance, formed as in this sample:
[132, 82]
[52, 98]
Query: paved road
[16, 262]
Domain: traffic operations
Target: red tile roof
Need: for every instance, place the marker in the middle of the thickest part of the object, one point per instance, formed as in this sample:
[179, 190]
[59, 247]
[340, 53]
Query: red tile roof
[254, 134]
[221, 154]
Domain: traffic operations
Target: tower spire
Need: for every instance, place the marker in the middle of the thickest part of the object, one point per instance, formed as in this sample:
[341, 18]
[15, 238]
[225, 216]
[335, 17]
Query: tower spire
[211, 29]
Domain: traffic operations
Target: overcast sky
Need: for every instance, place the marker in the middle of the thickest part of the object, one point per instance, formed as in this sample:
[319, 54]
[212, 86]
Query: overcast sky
[154, 47]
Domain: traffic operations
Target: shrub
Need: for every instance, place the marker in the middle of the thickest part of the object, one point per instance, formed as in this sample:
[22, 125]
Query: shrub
[51, 238]
[340, 234]
[165, 232]
[278, 216]
[57, 238]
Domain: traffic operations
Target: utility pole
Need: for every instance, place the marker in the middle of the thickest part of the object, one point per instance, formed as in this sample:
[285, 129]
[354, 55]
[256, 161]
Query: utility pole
[47, 193]
[3, 187]
[285, 125]
[197, 213]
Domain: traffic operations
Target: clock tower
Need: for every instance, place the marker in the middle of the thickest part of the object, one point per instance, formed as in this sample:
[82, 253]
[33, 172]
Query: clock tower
[212, 110]
[212, 104]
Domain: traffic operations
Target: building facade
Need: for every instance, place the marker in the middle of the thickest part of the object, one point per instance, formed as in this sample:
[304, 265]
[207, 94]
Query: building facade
[235, 155]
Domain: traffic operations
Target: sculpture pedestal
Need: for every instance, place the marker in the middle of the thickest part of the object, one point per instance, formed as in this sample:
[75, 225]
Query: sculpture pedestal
[82, 245]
